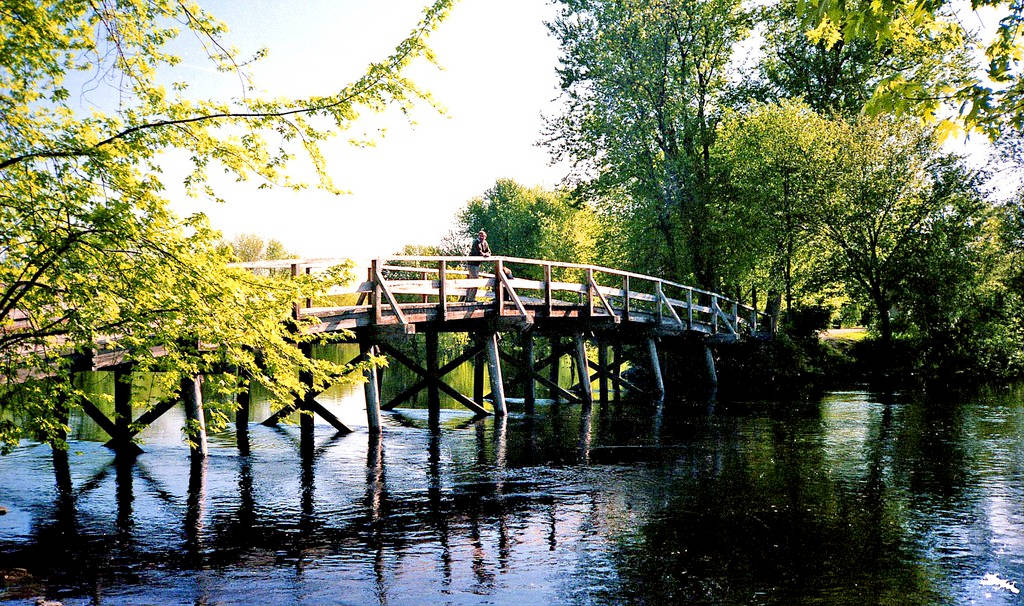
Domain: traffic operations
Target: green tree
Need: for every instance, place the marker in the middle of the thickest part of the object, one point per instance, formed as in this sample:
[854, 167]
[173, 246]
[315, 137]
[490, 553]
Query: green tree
[641, 81]
[936, 35]
[894, 194]
[90, 255]
[531, 223]
[250, 247]
[777, 163]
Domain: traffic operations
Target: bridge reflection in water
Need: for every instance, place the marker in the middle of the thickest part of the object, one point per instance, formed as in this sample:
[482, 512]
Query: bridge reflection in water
[453, 501]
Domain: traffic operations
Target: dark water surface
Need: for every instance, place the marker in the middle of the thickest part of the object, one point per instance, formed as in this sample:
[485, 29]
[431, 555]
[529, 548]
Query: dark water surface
[857, 499]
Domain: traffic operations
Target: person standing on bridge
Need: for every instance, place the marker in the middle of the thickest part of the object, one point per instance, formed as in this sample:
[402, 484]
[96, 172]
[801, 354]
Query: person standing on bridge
[479, 249]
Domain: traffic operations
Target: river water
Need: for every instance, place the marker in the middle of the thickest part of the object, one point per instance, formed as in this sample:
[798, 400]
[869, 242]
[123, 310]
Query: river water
[858, 498]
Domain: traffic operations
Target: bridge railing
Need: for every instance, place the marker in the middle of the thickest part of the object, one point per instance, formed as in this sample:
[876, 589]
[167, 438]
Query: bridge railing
[514, 285]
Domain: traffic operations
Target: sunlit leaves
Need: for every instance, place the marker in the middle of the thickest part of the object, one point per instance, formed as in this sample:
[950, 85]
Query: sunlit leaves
[91, 257]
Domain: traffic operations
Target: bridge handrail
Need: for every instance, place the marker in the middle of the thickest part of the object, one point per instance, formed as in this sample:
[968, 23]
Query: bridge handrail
[329, 261]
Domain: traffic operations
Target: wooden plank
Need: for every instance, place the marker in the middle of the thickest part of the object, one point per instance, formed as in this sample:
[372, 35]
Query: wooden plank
[512, 294]
[461, 399]
[328, 416]
[395, 307]
[98, 417]
[407, 393]
[664, 300]
[604, 302]
[147, 418]
[281, 413]
[317, 263]
[545, 381]
[616, 376]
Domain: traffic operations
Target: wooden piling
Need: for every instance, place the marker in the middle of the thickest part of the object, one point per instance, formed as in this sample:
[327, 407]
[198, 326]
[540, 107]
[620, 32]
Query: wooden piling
[192, 397]
[478, 378]
[659, 382]
[583, 370]
[617, 370]
[242, 402]
[371, 390]
[122, 408]
[433, 391]
[530, 388]
[494, 373]
[556, 362]
[709, 365]
[602, 375]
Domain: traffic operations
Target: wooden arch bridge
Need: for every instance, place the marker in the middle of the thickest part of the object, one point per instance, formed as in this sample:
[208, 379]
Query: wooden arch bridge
[567, 304]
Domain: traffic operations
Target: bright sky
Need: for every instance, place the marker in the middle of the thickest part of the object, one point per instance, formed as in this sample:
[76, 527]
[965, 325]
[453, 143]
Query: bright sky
[498, 78]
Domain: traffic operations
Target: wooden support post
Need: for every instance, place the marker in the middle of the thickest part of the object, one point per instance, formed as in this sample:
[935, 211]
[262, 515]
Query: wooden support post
[433, 392]
[303, 404]
[375, 294]
[59, 446]
[590, 293]
[658, 300]
[530, 388]
[494, 372]
[442, 290]
[499, 288]
[296, 306]
[583, 370]
[309, 302]
[714, 314]
[192, 396]
[556, 363]
[371, 389]
[478, 378]
[689, 309]
[242, 402]
[602, 361]
[122, 409]
[709, 364]
[625, 299]
[659, 382]
[617, 371]
[547, 290]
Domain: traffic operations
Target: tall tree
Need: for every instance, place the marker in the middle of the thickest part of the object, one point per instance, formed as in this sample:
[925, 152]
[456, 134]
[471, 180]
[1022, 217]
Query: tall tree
[641, 81]
[778, 164]
[90, 254]
[894, 194]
